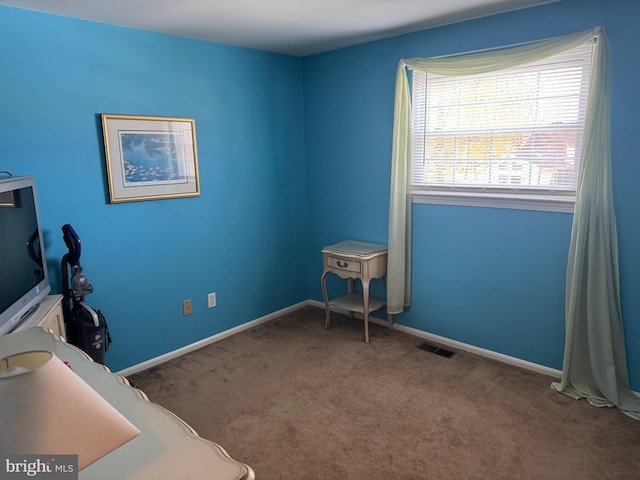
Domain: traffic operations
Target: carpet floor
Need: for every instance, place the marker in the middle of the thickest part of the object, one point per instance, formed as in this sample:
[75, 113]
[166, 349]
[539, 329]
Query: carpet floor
[296, 401]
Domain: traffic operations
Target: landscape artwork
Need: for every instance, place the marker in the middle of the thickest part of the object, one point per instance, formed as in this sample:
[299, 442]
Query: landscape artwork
[152, 158]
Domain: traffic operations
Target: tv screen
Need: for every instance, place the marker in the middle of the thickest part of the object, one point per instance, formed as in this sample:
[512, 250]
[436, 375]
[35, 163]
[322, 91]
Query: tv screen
[24, 280]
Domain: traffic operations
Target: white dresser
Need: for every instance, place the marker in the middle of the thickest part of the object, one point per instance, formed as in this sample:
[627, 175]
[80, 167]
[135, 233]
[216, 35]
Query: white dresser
[166, 449]
[48, 315]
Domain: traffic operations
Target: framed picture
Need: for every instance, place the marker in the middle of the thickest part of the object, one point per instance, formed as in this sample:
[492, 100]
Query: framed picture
[150, 158]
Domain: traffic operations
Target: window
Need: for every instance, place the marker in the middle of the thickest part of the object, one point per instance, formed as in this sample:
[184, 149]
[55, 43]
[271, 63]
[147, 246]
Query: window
[507, 138]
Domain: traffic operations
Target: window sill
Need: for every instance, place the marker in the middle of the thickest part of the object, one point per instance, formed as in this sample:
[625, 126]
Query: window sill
[545, 203]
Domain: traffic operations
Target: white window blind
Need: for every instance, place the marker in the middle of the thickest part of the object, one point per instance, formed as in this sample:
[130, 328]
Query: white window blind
[514, 132]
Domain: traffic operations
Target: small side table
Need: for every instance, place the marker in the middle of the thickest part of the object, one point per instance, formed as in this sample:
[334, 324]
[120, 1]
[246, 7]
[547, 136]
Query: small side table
[352, 260]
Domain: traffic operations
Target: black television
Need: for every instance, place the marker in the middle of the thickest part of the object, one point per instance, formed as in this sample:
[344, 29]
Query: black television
[24, 279]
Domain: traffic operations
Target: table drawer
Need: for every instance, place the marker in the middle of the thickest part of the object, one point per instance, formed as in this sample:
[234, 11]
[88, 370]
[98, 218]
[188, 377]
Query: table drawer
[338, 263]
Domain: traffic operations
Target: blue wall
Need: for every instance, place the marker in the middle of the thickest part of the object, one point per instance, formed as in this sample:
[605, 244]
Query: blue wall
[294, 154]
[493, 278]
[144, 258]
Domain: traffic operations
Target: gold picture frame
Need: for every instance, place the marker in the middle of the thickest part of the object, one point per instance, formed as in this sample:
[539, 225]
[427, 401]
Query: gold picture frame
[150, 158]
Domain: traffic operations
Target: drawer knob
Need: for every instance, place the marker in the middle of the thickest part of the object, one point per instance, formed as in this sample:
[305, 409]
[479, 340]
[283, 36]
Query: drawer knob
[345, 265]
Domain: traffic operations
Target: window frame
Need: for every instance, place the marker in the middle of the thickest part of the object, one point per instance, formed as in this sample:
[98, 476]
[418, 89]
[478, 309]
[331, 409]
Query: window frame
[528, 198]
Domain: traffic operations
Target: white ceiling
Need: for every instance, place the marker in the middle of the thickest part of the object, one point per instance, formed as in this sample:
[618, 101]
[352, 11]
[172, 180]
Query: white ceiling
[293, 27]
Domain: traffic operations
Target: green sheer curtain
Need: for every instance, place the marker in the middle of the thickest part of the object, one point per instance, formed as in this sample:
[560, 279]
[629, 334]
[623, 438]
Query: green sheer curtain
[399, 258]
[595, 361]
[595, 364]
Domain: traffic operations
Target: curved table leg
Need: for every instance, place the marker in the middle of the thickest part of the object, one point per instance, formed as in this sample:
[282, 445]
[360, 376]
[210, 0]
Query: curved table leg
[327, 321]
[365, 312]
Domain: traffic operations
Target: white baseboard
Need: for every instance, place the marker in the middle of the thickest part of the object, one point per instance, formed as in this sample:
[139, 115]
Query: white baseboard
[411, 331]
[447, 342]
[552, 372]
[206, 341]
[536, 367]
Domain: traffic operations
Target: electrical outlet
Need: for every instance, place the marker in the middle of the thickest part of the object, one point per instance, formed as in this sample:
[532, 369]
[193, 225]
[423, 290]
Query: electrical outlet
[186, 308]
[211, 299]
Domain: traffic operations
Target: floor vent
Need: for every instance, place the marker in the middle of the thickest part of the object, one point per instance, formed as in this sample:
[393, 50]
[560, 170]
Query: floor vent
[433, 349]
